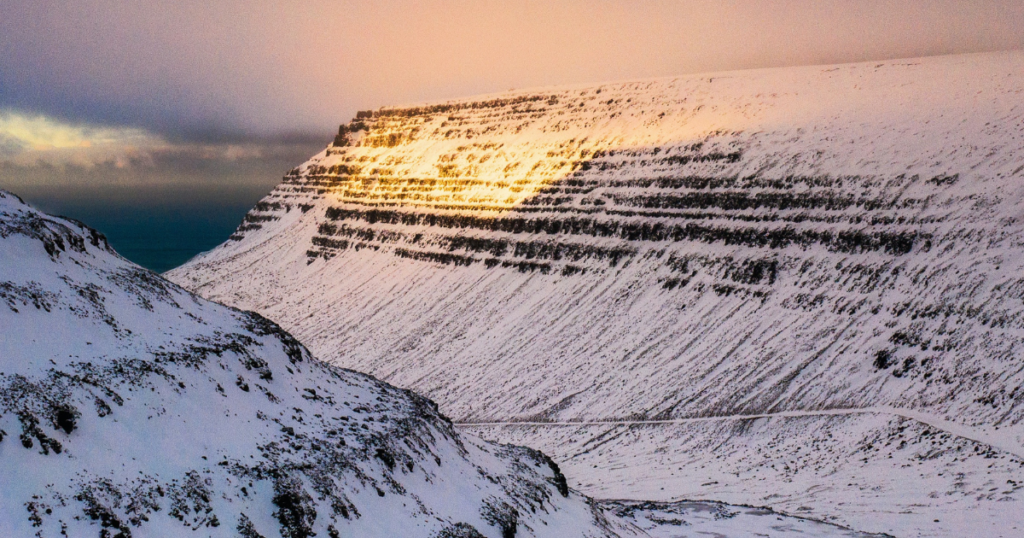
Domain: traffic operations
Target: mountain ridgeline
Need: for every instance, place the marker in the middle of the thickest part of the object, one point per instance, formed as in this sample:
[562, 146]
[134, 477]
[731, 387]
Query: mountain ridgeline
[683, 211]
[752, 243]
[130, 407]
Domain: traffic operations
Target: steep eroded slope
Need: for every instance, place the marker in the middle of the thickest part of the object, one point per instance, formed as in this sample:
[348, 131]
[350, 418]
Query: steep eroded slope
[747, 243]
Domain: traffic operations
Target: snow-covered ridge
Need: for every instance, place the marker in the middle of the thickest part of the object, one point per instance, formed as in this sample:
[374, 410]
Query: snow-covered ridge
[733, 244]
[869, 207]
[130, 407]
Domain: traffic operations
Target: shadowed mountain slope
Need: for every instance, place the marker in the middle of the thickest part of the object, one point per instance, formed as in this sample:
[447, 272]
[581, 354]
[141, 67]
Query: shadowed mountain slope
[130, 407]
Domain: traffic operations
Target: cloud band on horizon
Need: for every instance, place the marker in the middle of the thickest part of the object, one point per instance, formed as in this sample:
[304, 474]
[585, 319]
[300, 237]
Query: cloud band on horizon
[217, 72]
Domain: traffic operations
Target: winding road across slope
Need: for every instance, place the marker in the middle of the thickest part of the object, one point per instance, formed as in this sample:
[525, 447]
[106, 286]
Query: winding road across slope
[1003, 443]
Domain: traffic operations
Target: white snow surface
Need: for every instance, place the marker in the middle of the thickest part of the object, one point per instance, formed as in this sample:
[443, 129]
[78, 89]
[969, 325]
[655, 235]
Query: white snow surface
[685, 273]
[130, 407]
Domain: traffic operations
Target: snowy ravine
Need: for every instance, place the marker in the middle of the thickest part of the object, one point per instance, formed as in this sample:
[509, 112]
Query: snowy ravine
[130, 407]
[671, 279]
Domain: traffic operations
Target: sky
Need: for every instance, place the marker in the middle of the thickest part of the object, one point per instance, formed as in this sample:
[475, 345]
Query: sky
[108, 94]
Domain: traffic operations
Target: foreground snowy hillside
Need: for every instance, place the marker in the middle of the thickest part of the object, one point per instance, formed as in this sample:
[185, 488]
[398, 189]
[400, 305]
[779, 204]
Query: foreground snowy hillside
[129, 407]
[714, 259]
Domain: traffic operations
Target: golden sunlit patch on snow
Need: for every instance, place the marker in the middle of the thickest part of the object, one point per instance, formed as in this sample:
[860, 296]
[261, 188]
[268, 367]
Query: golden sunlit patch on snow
[484, 156]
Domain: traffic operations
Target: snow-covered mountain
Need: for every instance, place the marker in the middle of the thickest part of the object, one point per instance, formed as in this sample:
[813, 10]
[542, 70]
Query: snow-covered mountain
[130, 407]
[800, 287]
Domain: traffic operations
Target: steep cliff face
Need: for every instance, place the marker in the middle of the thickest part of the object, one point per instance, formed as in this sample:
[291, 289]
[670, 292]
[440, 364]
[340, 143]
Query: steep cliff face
[736, 244]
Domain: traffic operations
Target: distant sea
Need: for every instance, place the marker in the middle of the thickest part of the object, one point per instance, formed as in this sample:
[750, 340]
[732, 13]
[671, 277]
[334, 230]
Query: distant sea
[156, 235]
[162, 214]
